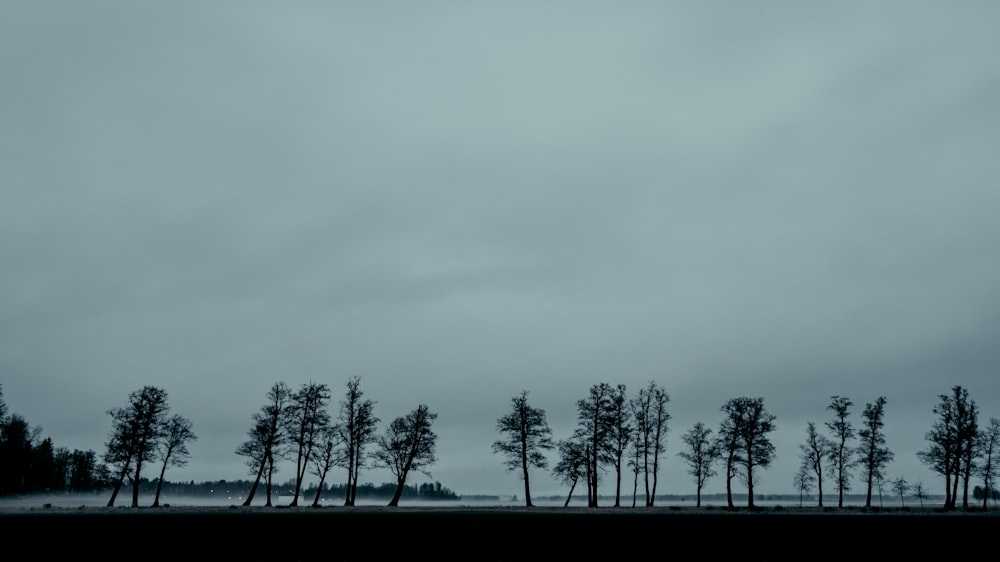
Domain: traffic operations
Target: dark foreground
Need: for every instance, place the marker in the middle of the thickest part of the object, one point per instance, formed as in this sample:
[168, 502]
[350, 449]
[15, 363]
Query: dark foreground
[501, 533]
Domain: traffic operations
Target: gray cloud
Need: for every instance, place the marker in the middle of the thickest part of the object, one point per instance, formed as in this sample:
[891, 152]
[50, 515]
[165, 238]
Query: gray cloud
[457, 202]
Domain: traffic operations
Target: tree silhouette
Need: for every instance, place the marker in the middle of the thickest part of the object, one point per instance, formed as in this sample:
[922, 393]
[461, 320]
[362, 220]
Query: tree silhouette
[803, 479]
[841, 452]
[952, 441]
[526, 435]
[989, 440]
[649, 412]
[306, 420]
[572, 465]
[872, 452]
[173, 449]
[594, 416]
[814, 450]
[728, 444]
[328, 446]
[135, 436]
[751, 423]
[408, 444]
[920, 492]
[901, 487]
[267, 438]
[701, 454]
[619, 435]
[356, 424]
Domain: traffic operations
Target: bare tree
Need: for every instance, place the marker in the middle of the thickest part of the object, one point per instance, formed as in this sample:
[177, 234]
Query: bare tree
[952, 438]
[356, 423]
[872, 452]
[526, 435]
[328, 446]
[814, 451]
[920, 492]
[649, 412]
[901, 487]
[173, 449]
[989, 440]
[594, 430]
[841, 452]
[408, 444]
[136, 433]
[635, 463]
[728, 443]
[572, 464]
[803, 479]
[753, 423]
[619, 435]
[701, 453]
[306, 420]
[267, 437]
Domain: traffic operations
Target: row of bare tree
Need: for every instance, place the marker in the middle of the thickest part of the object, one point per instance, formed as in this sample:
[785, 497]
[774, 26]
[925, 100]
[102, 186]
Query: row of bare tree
[619, 432]
[615, 433]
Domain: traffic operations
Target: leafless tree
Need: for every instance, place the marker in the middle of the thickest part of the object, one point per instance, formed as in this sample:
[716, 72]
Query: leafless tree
[701, 453]
[841, 452]
[753, 423]
[651, 418]
[952, 440]
[901, 487]
[920, 492]
[989, 441]
[307, 418]
[267, 437]
[526, 436]
[328, 447]
[619, 435]
[173, 449]
[356, 423]
[572, 464]
[408, 444]
[872, 452]
[816, 448]
[136, 433]
[803, 479]
[594, 430]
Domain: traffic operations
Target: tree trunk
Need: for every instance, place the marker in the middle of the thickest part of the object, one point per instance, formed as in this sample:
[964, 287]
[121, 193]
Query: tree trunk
[868, 497]
[819, 483]
[635, 487]
[570, 495]
[115, 490]
[398, 493]
[618, 485]
[253, 488]
[135, 484]
[729, 484]
[319, 491]
[524, 470]
[159, 484]
[349, 500]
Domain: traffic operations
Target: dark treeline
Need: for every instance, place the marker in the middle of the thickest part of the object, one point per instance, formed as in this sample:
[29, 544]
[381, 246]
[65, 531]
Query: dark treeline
[30, 463]
[618, 447]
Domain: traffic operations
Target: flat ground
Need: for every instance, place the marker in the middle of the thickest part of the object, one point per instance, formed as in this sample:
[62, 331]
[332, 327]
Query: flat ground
[492, 533]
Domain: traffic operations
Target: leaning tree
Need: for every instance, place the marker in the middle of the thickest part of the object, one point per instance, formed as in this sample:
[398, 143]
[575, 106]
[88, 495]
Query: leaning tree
[408, 444]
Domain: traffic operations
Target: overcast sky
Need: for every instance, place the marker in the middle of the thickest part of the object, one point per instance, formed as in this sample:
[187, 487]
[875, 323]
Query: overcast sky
[456, 201]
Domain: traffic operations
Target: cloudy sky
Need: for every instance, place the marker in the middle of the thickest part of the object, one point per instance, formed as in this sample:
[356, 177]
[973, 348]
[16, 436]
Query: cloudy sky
[456, 201]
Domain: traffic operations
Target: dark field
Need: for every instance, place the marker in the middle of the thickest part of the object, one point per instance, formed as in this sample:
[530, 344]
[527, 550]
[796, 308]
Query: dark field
[500, 533]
